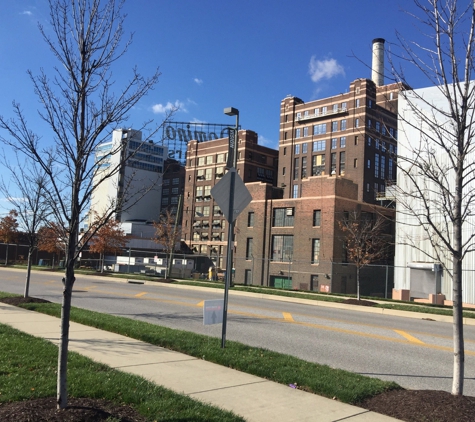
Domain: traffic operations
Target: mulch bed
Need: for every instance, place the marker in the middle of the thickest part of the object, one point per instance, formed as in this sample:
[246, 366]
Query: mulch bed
[78, 410]
[405, 405]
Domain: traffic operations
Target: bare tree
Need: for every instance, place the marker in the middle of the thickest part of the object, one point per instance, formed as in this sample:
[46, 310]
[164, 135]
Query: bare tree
[166, 234]
[436, 177]
[81, 109]
[108, 238]
[366, 240]
[28, 196]
[9, 230]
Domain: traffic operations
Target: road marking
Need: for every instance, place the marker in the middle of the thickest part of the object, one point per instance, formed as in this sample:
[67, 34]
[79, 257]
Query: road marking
[407, 336]
[200, 304]
[288, 317]
[141, 294]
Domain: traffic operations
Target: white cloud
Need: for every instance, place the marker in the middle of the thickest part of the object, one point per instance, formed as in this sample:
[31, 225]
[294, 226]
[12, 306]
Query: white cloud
[198, 81]
[268, 143]
[27, 12]
[162, 109]
[324, 69]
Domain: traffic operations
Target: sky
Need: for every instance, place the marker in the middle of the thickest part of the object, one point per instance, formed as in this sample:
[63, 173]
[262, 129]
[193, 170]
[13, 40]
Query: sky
[212, 54]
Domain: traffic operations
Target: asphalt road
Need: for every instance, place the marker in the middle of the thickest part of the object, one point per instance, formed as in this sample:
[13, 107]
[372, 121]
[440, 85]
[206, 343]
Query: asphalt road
[415, 353]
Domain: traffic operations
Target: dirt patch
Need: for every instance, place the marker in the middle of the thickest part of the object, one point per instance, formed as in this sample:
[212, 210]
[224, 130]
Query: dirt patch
[360, 302]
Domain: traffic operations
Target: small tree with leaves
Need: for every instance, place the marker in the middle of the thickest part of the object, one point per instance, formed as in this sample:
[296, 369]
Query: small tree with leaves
[167, 235]
[365, 239]
[52, 238]
[108, 238]
[9, 230]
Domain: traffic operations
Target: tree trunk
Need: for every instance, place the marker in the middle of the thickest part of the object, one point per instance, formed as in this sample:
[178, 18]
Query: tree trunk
[101, 260]
[358, 282]
[68, 282]
[28, 271]
[459, 353]
[6, 256]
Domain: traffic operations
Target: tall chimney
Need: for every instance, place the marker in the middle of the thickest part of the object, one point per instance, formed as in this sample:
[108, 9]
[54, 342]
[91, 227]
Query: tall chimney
[377, 67]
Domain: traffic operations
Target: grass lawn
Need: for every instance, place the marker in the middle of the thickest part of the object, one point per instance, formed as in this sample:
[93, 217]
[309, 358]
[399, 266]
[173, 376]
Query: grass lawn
[28, 370]
[320, 379]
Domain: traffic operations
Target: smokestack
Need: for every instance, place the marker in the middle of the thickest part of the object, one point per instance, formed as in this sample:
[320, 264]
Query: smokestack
[377, 67]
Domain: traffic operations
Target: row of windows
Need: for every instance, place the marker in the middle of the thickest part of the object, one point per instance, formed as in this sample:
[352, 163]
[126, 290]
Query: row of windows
[284, 217]
[380, 167]
[323, 111]
[283, 248]
[175, 181]
[145, 166]
[145, 147]
[381, 145]
[203, 211]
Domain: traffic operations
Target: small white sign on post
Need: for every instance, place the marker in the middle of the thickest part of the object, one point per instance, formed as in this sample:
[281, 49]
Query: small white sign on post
[213, 311]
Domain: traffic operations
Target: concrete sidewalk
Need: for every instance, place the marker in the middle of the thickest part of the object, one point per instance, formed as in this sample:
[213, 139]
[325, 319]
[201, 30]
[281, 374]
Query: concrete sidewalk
[254, 398]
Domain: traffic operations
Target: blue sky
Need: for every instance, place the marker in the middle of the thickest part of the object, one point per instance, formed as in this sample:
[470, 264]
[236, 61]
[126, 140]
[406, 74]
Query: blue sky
[214, 54]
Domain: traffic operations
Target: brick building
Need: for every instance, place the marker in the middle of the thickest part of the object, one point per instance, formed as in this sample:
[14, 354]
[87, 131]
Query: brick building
[336, 155]
[203, 224]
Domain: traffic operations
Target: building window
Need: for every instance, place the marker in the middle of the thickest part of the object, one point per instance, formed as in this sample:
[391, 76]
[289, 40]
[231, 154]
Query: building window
[390, 169]
[333, 163]
[249, 248]
[334, 143]
[175, 181]
[318, 165]
[305, 131]
[283, 217]
[357, 102]
[201, 161]
[383, 166]
[206, 211]
[208, 174]
[297, 148]
[297, 133]
[166, 182]
[342, 163]
[282, 248]
[295, 191]
[357, 122]
[299, 116]
[378, 126]
[174, 200]
[369, 141]
[334, 126]
[318, 146]
[383, 146]
[209, 159]
[304, 167]
[296, 168]
[376, 143]
[376, 165]
[368, 164]
[174, 191]
[250, 219]
[343, 142]
[315, 250]
[343, 124]
[356, 140]
[370, 103]
[369, 123]
[320, 129]
[316, 111]
[304, 148]
[305, 113]
[355, 163]
[283, 171]
[383, 130]
[207, 193]
[317, 215]
[367, 187]
[199, 193]
[285, 150]
[261, 173]
[343, 105]
[335, 107]
[166, 192]
[217, 210]
[220, 158]
[324, 110]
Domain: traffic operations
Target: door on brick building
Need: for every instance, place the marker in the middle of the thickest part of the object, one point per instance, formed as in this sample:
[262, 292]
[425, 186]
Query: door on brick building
[280, 282]
[314, 282]
[247, 277]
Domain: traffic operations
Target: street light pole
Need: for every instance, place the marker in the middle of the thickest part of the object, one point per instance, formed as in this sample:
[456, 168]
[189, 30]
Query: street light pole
[232, 163]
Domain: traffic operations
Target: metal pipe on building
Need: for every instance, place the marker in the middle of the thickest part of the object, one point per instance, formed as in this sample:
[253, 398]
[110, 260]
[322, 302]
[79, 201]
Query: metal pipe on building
[377, 66]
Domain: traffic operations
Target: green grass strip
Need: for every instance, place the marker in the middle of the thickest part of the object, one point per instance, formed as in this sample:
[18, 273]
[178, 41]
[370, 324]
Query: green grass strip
[345, 386]
[28, 370]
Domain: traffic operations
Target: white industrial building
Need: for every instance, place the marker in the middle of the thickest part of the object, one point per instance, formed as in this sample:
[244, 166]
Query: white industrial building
[138, 180]
[417, 262]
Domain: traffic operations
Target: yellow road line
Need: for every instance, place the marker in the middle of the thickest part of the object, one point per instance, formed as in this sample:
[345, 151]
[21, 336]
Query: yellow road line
[200, 304]
[407, 336]
[288, 317]
[141, 294]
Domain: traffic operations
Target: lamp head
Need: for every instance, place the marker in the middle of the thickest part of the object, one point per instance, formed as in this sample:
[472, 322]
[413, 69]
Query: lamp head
[231, 111]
